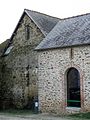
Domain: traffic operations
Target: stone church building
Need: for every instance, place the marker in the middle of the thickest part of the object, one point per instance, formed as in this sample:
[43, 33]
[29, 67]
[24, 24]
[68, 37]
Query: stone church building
[47, 59]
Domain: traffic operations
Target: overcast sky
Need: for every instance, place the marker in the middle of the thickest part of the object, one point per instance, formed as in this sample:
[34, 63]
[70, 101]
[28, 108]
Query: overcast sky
[11, 11]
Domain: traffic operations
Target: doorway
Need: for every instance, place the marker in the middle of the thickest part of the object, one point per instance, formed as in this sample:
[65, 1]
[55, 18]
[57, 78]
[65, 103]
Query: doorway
[73, 88]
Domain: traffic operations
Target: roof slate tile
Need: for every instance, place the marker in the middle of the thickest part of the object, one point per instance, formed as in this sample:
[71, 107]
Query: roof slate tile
[68, 32]
[43, 21]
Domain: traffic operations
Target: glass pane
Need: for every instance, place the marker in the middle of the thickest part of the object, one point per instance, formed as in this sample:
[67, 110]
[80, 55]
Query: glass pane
[8, 50]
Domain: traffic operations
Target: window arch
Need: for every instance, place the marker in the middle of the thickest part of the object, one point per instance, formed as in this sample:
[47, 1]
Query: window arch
[73, 88]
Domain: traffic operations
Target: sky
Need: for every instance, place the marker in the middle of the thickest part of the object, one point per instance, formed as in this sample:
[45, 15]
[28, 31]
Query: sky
[11, 11]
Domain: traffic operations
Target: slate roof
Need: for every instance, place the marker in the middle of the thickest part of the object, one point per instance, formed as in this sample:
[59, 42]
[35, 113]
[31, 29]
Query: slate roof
[43, 21]
[68, 32]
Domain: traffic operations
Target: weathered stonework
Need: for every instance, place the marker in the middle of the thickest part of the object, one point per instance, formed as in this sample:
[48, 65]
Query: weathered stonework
[52, 85]
[31, 69]
[20, 67]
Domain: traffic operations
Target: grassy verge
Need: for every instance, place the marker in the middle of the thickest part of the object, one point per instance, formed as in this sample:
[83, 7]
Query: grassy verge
[81, 116]
[16, 112]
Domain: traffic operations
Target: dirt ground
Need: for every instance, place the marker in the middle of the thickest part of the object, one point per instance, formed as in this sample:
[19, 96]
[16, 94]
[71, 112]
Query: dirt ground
[31, 117]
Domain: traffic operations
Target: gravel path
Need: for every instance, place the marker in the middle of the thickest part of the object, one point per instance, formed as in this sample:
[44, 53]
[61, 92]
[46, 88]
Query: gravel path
[31, 117]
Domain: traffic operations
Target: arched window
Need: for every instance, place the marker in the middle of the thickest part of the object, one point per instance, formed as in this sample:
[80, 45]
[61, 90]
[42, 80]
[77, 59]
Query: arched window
[73, 88]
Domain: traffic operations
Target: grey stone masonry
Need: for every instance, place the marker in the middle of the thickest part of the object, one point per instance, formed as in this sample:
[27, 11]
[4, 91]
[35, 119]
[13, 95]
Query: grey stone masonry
[20, 67]
[52, 85]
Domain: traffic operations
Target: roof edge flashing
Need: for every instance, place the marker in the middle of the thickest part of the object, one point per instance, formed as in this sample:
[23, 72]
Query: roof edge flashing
[59, 47]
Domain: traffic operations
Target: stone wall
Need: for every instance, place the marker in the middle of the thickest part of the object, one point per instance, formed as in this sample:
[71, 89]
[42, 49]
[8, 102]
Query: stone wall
[52, 85]
[20, 67]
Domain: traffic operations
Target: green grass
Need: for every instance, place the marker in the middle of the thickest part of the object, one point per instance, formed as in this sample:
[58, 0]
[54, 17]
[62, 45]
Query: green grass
[82, 116]
[16, 112]
[79, 116]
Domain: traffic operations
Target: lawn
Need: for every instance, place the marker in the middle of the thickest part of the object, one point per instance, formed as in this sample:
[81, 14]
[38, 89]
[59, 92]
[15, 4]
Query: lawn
[81, 116]
[25, 112]
[16, 112]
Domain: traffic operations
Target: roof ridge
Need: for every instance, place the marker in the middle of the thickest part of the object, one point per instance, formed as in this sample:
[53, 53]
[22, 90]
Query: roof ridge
[75, 16]
[42, 14]
[57, 17]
